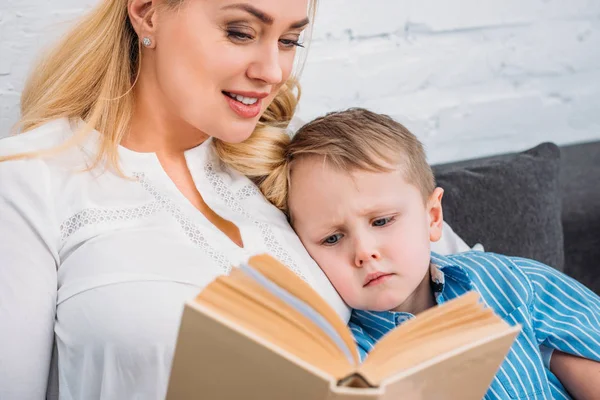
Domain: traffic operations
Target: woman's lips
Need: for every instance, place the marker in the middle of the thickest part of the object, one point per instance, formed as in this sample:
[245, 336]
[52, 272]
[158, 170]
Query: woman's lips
[245, 104]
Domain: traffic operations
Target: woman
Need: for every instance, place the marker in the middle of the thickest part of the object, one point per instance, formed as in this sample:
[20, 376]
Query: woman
[128, 193]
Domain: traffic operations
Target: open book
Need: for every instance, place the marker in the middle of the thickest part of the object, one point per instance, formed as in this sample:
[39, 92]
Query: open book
[264, 333]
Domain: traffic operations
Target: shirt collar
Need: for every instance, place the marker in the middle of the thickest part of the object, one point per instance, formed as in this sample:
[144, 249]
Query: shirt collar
[451, 270]
[377, 323]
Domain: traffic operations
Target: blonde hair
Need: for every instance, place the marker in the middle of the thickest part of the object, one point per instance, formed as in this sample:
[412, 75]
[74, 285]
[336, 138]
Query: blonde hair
[90, 75]
[355, 139]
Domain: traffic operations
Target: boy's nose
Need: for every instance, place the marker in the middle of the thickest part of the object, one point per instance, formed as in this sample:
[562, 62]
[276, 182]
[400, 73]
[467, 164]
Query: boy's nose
[365, 255]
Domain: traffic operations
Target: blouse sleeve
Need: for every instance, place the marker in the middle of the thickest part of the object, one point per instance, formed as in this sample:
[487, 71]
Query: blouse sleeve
[28, 278]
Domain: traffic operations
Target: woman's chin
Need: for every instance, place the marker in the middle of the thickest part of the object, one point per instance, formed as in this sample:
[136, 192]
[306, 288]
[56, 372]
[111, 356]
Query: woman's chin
[236, 134]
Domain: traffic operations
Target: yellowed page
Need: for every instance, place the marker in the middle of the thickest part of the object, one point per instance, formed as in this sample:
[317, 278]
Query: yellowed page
[463, 374]
[415, 353]
[432, 329]
[280, 309]
[289, 281]
[439, 330]
[237, 299]
[427, 322]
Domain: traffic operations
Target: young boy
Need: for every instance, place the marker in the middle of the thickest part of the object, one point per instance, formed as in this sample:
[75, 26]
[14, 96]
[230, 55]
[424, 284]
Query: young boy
[362, 199]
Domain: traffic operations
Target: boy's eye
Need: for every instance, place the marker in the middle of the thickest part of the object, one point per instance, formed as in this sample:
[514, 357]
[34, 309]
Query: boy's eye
[333, 239]
[382, 221]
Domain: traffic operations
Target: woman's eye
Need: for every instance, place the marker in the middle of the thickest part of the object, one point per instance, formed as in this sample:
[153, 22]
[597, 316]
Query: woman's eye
[382, 221]
[333, 239]
[239, 36]
[289, 43]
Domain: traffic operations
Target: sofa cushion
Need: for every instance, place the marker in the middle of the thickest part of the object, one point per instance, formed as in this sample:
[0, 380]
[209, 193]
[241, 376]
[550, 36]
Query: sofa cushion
[580, 187]
[509, 203]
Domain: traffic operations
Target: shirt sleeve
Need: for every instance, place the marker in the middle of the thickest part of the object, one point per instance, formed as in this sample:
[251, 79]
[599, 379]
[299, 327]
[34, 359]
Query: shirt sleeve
[566, 314]
[28, 279]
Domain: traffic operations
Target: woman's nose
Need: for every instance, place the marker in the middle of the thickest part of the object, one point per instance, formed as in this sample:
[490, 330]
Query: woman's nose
[267, 66]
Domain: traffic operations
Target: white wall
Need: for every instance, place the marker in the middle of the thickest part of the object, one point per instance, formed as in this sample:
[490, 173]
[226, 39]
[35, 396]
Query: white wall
[469, 77]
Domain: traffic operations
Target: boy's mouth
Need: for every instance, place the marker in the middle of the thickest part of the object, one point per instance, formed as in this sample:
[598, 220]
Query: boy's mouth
[375, 278]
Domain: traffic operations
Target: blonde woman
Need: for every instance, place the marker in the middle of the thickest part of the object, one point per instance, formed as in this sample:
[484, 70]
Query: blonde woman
[127, 190]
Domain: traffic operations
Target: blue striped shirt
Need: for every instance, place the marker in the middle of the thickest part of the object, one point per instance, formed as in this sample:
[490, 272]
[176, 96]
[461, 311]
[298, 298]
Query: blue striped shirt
[554, 310]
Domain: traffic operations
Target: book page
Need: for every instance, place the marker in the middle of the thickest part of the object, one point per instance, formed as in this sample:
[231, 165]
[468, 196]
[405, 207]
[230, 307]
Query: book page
[239, 299]
[464, 373]
[303, 308]
[442, 329]
[293, 284]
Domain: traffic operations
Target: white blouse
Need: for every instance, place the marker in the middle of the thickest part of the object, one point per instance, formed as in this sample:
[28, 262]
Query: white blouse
[95, 269]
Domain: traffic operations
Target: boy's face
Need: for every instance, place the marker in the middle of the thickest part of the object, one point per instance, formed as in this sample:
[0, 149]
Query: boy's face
[369, 232]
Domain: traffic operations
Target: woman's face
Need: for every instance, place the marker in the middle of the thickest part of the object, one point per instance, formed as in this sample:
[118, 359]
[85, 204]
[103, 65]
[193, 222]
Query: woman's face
[218, 64]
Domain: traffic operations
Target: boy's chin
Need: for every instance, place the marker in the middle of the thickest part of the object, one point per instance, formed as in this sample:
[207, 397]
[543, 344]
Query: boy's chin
[385, 306]
[379, 304]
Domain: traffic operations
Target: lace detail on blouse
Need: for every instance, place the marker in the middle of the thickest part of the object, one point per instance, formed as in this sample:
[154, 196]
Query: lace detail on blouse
[247, 191]
[93, 216]
[192, 232]
[267, 233]
[96, 216]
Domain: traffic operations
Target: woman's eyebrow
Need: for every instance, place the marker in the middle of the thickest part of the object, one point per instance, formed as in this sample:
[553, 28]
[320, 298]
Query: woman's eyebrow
[264, 17]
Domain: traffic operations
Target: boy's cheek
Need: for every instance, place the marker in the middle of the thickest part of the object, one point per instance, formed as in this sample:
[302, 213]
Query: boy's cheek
[344, 284]
[341, 276]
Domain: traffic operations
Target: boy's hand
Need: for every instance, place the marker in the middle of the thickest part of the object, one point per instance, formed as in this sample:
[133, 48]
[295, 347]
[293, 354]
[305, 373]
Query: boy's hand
[580, 376]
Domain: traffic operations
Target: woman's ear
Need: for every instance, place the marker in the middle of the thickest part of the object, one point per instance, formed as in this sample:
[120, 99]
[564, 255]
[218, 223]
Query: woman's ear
[436, 215]
[142, 14]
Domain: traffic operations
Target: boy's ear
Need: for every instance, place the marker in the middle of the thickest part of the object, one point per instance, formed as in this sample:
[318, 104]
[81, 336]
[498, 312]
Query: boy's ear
[436, 215]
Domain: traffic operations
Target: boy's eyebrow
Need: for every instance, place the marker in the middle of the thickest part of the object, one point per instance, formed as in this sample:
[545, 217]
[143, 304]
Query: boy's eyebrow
[329, 227]
[324, 228]
[374, 209]
[263, 16]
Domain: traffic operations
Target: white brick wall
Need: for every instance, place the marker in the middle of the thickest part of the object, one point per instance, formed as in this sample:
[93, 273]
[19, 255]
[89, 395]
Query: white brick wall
[469, 77]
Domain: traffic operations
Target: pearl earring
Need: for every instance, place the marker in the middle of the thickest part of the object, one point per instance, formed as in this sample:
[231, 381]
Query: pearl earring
[146, 42]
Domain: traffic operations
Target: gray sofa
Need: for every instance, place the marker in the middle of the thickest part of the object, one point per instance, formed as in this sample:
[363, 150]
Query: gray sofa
[543, 203]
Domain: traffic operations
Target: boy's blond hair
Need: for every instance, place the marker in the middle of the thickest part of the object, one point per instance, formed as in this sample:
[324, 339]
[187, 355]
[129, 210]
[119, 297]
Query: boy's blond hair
[355, 139]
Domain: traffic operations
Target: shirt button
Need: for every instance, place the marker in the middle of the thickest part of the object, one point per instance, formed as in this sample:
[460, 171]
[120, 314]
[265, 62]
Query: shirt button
[401, 318]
